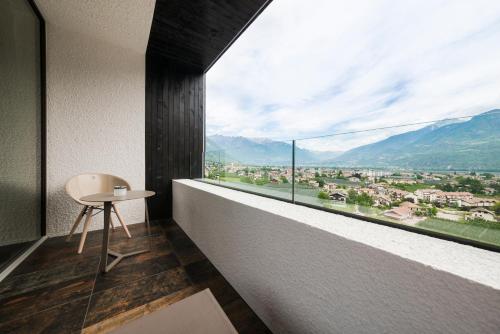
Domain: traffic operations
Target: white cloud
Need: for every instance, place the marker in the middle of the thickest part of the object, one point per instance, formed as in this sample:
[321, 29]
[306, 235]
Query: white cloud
[307, 68]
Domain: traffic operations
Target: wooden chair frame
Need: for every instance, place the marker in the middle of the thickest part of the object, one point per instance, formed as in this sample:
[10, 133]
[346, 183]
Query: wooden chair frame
[87, 184]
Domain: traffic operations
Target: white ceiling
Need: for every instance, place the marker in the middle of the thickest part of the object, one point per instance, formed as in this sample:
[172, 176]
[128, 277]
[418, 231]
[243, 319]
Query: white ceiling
[122, 22]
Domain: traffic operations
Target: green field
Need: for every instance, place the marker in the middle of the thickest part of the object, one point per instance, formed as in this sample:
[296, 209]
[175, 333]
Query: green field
[466, 230]
[303, 194]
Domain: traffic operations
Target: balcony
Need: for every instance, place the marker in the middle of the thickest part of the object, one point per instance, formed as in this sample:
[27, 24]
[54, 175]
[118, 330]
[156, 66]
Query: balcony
[119, 87]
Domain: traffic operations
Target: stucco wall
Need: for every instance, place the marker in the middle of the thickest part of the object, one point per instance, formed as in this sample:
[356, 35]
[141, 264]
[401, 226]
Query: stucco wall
[307, 271]
[95, 119]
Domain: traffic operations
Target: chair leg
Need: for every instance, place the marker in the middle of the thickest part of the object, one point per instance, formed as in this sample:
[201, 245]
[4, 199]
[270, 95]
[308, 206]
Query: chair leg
[111, 225]
[122, 222]
[77, 222]
[85, 229]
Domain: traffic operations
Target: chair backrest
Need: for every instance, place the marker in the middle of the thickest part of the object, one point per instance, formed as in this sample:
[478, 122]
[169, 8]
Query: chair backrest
[88, 184]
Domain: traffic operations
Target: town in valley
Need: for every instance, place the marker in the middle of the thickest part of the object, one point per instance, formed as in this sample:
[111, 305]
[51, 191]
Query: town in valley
[408, 197]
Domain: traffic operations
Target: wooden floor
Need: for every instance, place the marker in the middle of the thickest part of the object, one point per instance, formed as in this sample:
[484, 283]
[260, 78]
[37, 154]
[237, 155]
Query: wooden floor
[56, 290]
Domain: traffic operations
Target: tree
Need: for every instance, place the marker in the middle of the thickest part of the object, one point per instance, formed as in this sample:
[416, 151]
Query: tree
[488, 176]
[395, 203]
[323, 195]
[473, 185]
[496, 186]
[364, 199]
[496, 208]
[246, 179]
[351, 196]
[284, 179]
[434, 211]
[261, 181]
[320, 181]
[431, 212]
[446, 187]
[316, 174]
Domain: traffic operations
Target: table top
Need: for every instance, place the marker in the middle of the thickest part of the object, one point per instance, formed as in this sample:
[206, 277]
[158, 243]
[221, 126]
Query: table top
[109, 197]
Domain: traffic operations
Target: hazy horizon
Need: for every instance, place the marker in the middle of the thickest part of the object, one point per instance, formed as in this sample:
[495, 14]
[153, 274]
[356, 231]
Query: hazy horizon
[349, 140]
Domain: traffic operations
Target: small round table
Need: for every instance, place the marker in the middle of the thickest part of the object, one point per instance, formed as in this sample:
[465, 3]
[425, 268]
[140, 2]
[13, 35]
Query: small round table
[108, 199]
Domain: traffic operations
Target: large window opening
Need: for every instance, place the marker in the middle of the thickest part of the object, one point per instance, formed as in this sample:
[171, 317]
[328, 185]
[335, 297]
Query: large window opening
[387, 111]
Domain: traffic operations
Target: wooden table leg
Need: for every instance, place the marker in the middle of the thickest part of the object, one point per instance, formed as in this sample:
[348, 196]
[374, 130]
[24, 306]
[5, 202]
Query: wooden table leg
[105, 237]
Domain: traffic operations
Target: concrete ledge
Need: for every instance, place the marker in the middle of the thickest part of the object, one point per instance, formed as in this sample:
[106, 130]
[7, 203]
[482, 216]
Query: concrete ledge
[305, 270]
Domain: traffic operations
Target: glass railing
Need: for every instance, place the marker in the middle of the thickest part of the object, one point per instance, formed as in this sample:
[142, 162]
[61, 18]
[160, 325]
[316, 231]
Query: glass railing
[266, 175]
[440, 178]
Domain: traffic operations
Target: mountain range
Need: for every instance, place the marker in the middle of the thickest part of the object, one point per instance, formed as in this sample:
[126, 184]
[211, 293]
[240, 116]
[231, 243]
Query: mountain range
[259, 151]
[468, 145]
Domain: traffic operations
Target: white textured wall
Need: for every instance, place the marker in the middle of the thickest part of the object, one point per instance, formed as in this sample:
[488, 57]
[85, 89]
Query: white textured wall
[95, 99]
[307, 271]
[95, 120]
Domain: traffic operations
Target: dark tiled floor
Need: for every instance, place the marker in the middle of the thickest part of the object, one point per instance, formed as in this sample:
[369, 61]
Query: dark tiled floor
[58, 291]
[10, 252]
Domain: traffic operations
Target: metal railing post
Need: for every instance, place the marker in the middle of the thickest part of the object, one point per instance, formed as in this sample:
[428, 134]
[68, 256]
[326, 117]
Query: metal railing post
[218, 168]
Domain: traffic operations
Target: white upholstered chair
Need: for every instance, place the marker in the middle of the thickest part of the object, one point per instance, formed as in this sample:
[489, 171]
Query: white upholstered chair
[88, 184]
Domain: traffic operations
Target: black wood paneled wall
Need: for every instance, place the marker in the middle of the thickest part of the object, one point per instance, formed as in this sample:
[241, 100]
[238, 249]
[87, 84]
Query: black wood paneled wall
[175, 120]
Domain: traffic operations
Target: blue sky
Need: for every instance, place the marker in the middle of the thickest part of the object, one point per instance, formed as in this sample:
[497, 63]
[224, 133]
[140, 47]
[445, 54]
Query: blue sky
[309, 68]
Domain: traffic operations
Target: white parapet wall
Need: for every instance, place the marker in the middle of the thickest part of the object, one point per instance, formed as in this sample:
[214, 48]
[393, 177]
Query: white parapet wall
[309, 271]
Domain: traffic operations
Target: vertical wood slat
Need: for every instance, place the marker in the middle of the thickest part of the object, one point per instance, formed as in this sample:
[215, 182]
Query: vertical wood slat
[174, 117]
[191, 120]
[186, 126]
[147, 126]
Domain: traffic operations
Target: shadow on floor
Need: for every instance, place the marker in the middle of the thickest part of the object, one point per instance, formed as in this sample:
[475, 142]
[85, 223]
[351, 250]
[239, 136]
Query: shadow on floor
[9, 253]
[55, 290]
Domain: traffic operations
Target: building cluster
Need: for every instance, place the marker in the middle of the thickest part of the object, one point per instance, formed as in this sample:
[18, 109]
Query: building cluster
[453, 199]
[382, 188]
[403, 205]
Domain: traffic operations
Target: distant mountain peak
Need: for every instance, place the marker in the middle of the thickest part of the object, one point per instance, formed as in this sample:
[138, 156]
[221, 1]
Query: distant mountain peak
[467, 144]
[261, 140]
[491, 112]
[446, 122]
